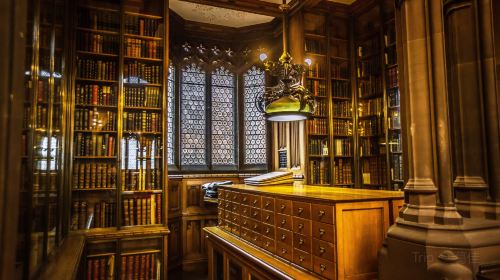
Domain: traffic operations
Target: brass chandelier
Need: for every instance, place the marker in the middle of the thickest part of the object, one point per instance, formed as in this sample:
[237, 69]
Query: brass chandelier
[289, 100]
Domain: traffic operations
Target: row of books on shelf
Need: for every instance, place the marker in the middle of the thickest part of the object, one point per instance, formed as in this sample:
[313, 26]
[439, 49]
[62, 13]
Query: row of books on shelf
[99, 20]
[321, 108]
[342, 171]
[144, 210]
[315, 46]
[374, 170]
[96, 69]
[394, 97]
[342, 109]
[342, 147]
[395, 142]
[143, 97]
[394, 119]
[142, 121]
[390, 56]
[43, 92]
[370, 88]
[42, 117]
[369, 147]
[397, 167]
[341, 89]
[98, 43]
[317, 126]
[371, 107]
[342, 127]
[318, 147]
[87, 215]
[392, 77]
[97, 145]
[316, 70]
[147, 177]
[340, 70]
[101, 268]
[93, 175]
[319, 171]
[43, 181]
[369, 47]
[94, 94]
[95, 120]
[367, 68]
[142, 26]
[140, 266]
[316, 87]
[143, 48]
[371, 127]
[142, 73]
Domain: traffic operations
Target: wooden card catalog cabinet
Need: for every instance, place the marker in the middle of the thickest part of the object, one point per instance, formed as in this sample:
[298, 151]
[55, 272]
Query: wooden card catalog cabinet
[331, 233]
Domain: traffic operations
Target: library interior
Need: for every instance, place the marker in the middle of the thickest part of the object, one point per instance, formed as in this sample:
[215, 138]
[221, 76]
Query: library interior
[249, 139]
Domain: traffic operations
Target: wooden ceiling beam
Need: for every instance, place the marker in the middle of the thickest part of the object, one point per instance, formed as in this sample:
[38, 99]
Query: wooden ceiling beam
[252, 6]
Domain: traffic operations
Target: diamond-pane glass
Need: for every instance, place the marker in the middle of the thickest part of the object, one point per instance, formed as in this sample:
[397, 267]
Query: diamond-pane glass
[223, 117]
[193, 116]
[170, 114]
[255, 124]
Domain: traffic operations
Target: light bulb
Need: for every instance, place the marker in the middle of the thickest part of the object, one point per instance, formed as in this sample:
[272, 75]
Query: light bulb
[308, 61]
[263, 57]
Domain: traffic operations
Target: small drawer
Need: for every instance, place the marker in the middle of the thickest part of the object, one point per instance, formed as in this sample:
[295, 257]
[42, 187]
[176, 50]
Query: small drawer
[302, 226]
[244, 210]
[284, 250]
[235, 229]
[284, 206]
[226, 225]
[301, 209]
[227, 215]
[323, 232]
[302, 258]
[244, 198]
[324, 268]
[227, 195]
[246, 234]
[221, 223]
[268, 203]
[256, 239]
[268, 217]
[322, 213]
[255, 225]
[235, 196]
[228, 205]
[235, 219]
[302, 242]
[284, 221]
[324, 250]
[284, 236]
[268, 244]
[221, 193]
[254, 201]
[235, 207]
[268, 231]
[254, 213]
[245, 222]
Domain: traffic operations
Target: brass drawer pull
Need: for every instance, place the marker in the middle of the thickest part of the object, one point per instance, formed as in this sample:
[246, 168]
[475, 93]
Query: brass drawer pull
[254, 201]
[301, 210]
[321, 213]
[245, 233]
[283, 237]
[267, 218]
[268, 230]
[255, 226]
[321, 232]
[301, 226]
[267, 244]
[283, 222]
[301, 241]
[244, 199]
[245, 223]
[322, 267]
[267, 204]
[301, 258]
[234, 219]
[283, 250]
[282, 206]
[255, 238]
[234, 197]
[234, 208]
[227, 216]
[321, 249]
[254, 213]
[245, 210]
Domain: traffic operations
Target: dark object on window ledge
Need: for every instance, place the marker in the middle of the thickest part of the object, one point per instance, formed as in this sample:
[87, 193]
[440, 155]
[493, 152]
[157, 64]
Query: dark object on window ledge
[211, 188]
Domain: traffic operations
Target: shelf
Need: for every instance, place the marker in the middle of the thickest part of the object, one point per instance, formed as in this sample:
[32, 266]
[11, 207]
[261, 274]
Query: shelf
[342, 118]
[397, 152]
[341, 79]
[94, 157]
[341, 135]
[106, 32]
[141, 132]
[372, 156]
[143, 15]
[93, 189]
[141, 85]
[143, 37]
[390, 45]
[367, 116]
[96, 54]
[314, 36]
[319, 156]
[397, 181]
[341, 98]
[338, 156]
[98, 8]
[97, 106]
[319, 96]
[389, 66]
[96, 80]
[142, 108]
[146, 59]
[317, 135]
[319, 117]
[315, 54]
[393, 107]
[338, 39]
[141, 192]
[315, 78]
[339, 58]
[395, 129]
[368, 56]
[95, 131]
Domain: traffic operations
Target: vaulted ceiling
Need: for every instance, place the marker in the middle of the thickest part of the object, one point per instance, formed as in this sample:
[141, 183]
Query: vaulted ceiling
[233, 13]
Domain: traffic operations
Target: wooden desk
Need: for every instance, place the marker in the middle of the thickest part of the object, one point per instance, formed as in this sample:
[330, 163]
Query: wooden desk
[332, 233]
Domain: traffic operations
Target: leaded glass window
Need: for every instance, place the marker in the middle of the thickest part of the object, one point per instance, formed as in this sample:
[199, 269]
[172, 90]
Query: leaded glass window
[170, 114]
[193, 122]
[223, 117]
[254, 122]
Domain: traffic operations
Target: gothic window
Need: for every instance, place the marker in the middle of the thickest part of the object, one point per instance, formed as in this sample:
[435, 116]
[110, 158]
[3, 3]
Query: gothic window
[254, 122]
[223, 117]
[170, 114]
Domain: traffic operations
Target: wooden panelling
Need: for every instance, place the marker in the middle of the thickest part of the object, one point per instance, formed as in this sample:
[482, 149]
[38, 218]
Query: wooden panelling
[174, 243]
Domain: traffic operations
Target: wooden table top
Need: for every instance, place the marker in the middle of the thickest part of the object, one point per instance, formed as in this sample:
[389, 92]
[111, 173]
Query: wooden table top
[330, 194]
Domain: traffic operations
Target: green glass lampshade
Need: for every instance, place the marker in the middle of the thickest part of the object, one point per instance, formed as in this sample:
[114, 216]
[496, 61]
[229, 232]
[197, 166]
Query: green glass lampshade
[287, 109]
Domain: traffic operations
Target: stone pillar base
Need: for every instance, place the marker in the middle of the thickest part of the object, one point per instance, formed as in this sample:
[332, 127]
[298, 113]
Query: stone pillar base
[412, 251]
